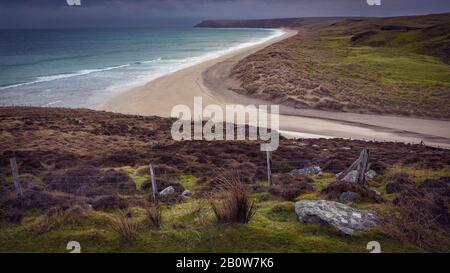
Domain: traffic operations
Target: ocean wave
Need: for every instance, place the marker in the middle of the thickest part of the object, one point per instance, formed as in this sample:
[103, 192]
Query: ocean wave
[63, 76]
[168, 66]
[151, 61]
[173, 65]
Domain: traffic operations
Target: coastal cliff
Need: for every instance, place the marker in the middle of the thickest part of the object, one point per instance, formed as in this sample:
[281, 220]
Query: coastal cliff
[269, 23]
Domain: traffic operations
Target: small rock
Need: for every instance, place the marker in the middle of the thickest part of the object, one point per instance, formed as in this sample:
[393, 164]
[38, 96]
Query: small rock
[186, 193]
[307, 170]
[152, 143]
[349, 196]
[371, 174]
[376, 192]
[79, 121]
[167, 191]
[346, 148]
[342, 217]
[315, 146]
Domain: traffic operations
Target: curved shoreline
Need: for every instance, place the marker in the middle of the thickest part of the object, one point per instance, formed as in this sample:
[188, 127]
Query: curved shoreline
[210, 81]
[158, 96]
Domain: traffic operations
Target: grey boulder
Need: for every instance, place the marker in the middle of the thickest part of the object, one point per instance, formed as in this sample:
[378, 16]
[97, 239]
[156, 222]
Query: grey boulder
[308, 170]
[187, 193]
[351, 177]
[342, 217]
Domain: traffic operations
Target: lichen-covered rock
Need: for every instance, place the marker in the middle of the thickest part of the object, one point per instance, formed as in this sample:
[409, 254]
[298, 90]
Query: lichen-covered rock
[342, 217]
[308, 170]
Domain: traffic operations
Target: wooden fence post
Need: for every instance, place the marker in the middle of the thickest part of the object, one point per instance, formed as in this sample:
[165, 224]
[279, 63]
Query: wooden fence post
[269, 168]
[16, 178]
[360, 165]
[154, 186]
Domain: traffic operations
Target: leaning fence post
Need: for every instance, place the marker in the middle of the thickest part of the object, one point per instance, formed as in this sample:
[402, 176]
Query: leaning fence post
[360, 165]
[269, 167]
[362, 168]
[154, 186]
[16, 178]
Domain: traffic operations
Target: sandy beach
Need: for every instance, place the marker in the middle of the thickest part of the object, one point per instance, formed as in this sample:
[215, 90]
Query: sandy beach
[210, 81]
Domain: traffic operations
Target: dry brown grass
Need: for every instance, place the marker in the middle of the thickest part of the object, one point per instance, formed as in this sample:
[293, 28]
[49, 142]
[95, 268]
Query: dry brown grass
[125, 226]
[235, 205]
[64, 142]
[154, 217]
[289, 186]
[422, 217]
[55, 219]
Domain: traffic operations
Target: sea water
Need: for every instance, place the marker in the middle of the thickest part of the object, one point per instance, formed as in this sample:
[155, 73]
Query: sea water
[86, 67]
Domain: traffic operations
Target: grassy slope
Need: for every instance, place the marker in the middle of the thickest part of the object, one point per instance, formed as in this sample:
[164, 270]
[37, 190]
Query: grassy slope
[389, 71]
[41, 137]
[191, 227]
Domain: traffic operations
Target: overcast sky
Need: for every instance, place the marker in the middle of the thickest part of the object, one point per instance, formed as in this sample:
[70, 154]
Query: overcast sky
[111, 13]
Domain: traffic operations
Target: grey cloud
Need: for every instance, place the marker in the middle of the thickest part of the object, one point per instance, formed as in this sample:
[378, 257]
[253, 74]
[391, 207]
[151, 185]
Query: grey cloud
[56, 13]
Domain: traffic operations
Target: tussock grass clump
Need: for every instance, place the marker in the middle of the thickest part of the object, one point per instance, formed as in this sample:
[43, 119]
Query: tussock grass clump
[235, 205]
[125, 226]
[154, 217]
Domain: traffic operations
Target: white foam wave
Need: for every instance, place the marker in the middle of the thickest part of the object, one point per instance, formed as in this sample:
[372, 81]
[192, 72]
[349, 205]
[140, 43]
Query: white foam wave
[171, 66]
[63, 76]
[215, 54]
[175, 65]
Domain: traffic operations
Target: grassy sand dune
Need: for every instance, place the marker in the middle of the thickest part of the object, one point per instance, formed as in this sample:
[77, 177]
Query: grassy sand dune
[387, 66]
